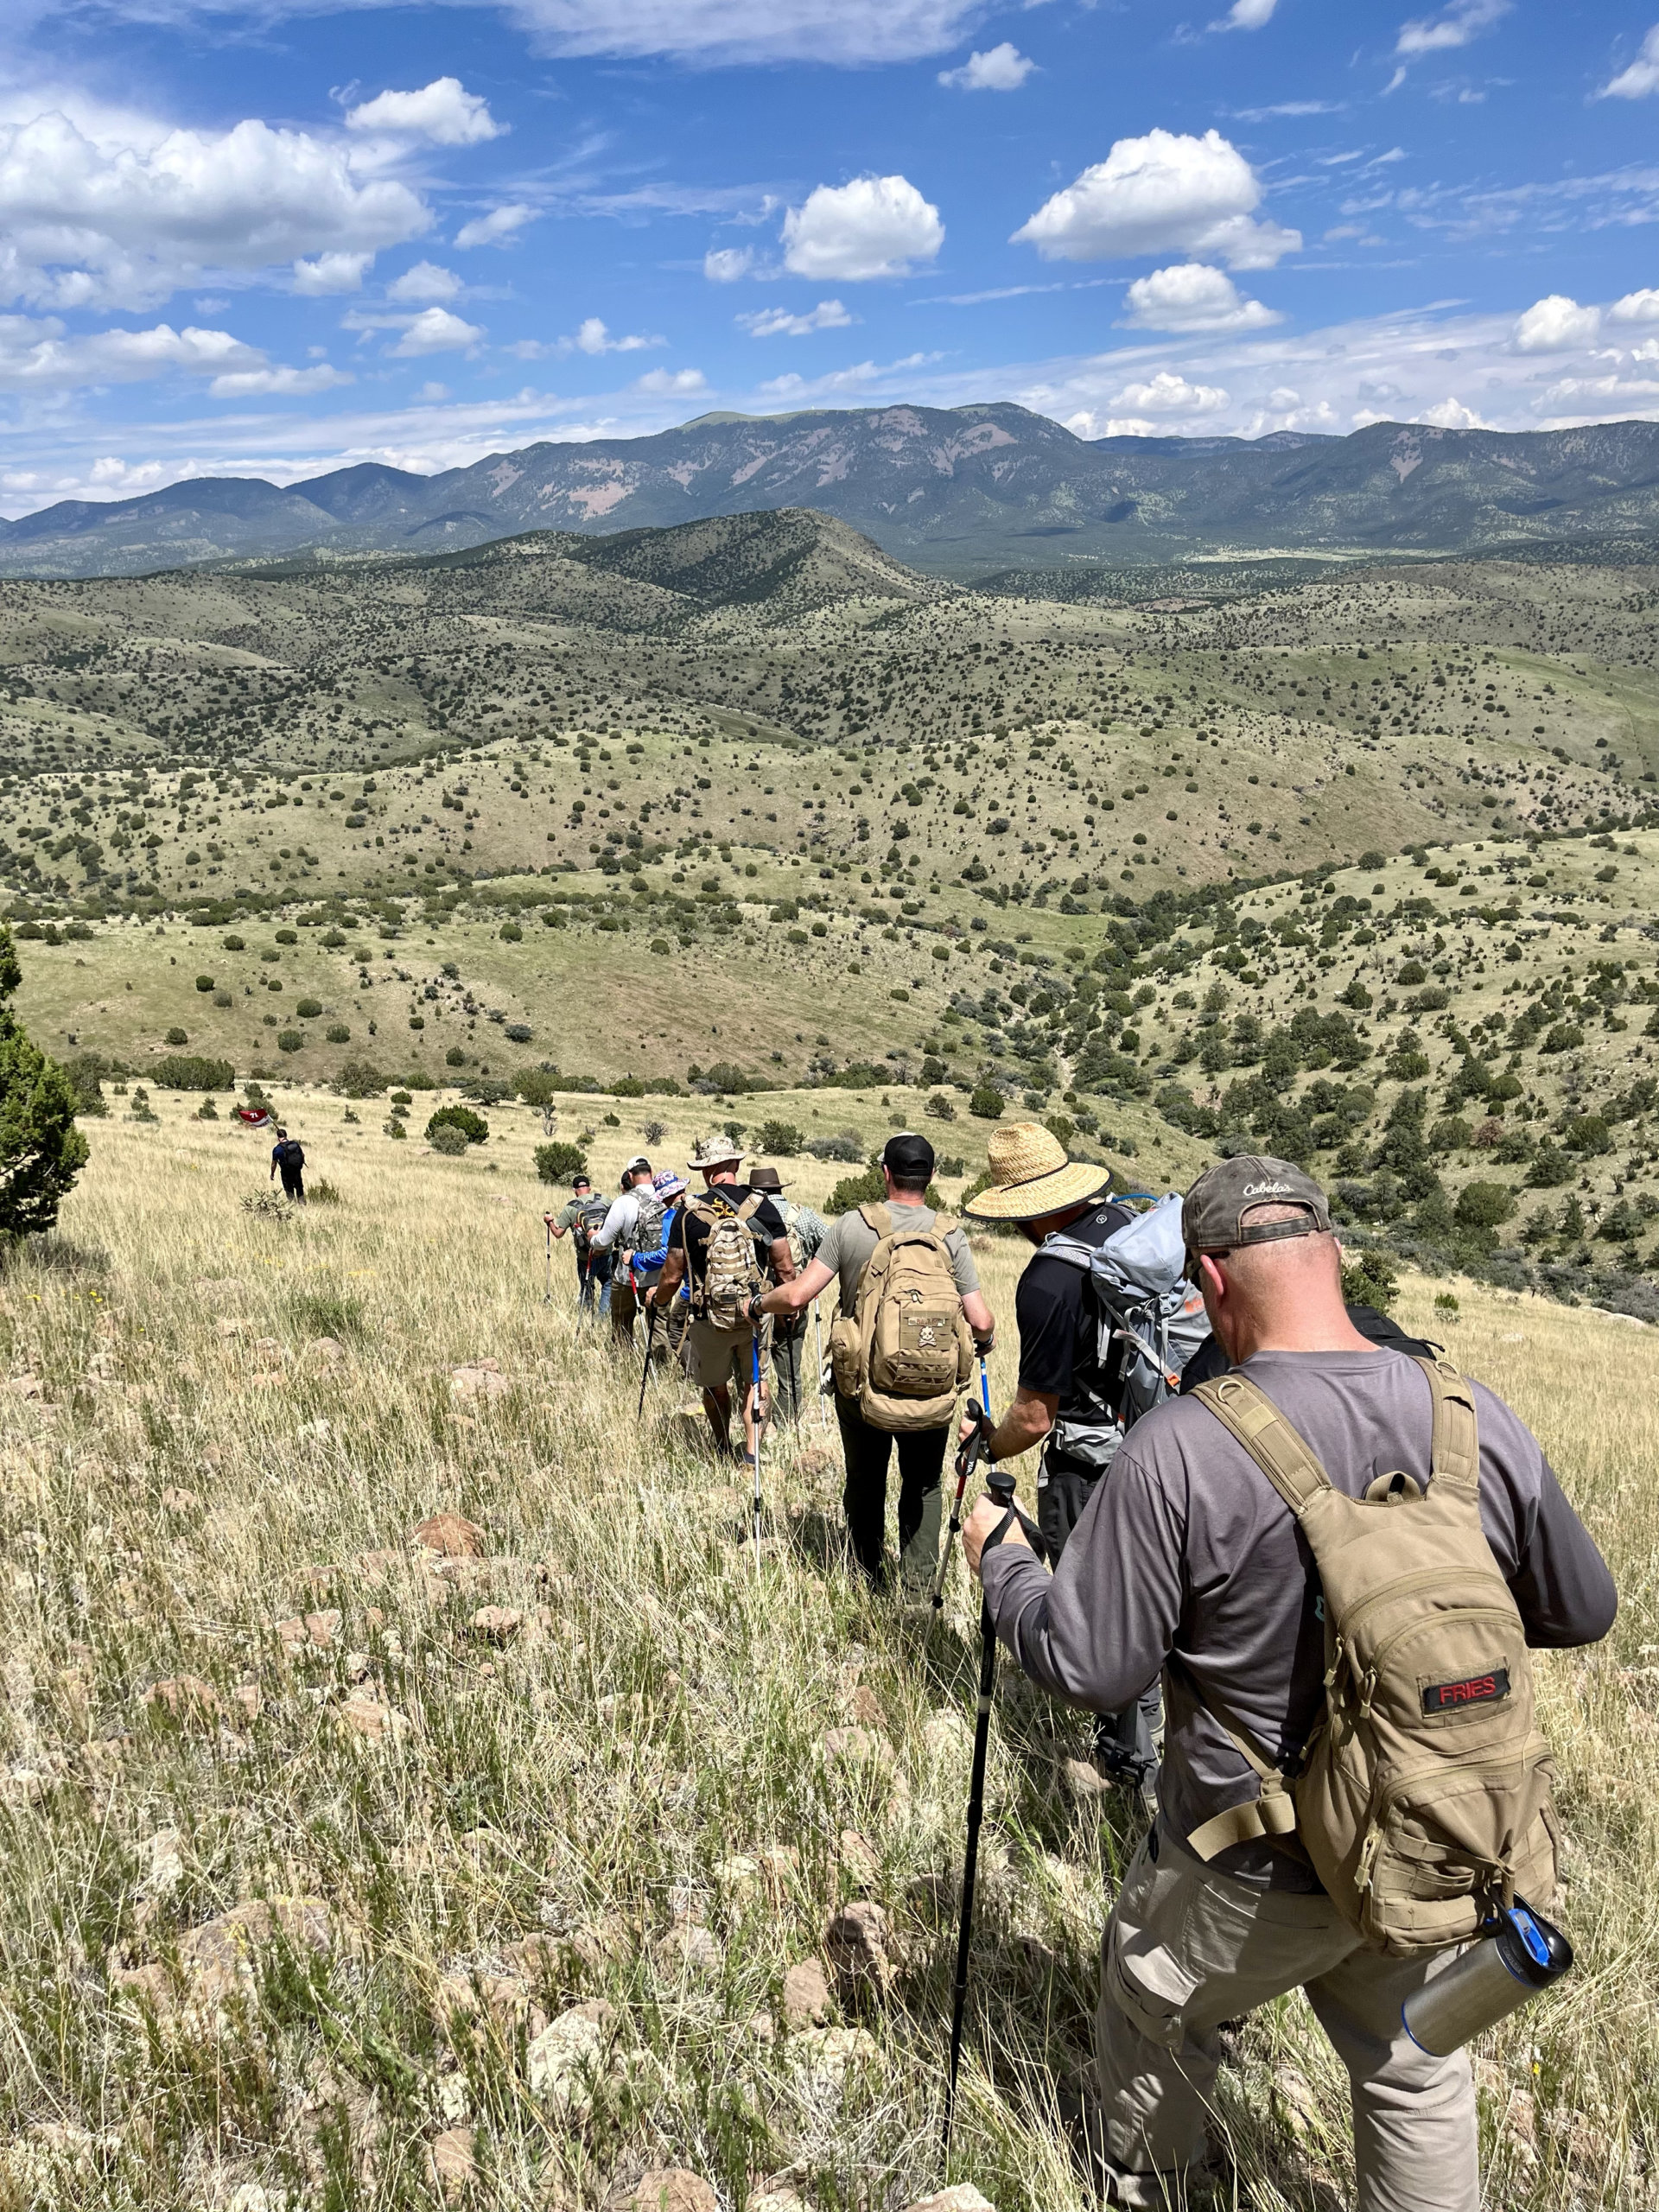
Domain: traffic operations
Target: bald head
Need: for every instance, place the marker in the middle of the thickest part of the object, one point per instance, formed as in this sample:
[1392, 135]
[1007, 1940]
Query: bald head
[1285, 1295]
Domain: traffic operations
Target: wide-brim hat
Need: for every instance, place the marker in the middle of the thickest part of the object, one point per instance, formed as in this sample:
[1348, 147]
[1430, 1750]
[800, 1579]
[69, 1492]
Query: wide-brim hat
[715, 1152]
[1032, 1176]
[766, 1178]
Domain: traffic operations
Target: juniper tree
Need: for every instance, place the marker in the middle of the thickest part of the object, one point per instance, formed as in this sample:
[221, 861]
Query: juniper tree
[41, 1151]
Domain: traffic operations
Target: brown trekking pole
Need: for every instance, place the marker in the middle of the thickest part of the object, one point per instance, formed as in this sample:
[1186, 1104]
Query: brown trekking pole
[965, 1461]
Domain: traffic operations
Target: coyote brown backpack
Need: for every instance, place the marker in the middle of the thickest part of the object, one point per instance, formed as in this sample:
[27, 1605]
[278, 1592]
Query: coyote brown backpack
[1422, 1796]
[905, 1350]
[731, 1265]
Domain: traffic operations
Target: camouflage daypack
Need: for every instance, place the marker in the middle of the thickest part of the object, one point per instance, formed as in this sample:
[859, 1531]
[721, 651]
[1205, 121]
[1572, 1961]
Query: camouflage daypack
[1423, 1796]
[731, 1271]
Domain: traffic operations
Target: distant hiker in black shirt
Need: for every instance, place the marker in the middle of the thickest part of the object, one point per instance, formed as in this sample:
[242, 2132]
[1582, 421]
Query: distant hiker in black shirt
[288, 1159]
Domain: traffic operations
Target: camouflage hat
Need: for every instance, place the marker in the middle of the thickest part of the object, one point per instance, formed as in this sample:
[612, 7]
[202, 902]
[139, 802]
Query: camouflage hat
[1212, 1215]
[715, 1152]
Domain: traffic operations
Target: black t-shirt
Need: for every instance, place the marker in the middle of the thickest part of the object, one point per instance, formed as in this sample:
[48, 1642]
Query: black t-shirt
[1057, 1329]
[1211, 1360]
[765, 1224]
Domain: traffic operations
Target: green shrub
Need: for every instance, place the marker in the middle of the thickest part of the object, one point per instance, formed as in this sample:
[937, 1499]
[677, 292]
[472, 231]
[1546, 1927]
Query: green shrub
[176, 1036]
[308, 1010]
[782, 1140]
[510, 932]
[1483, 1205]
[234, 943]
[519, 1033]
[288, 936]
[558, 1162]
[338, 1033]
[360, 1080]
[986, 1103]
[290, 1040]
[472, 1127]
[204, 984]
[455, 1058]
[939, 1108]
[191, 1071]
[447, 1139]
[41, 1151]
[326, 1312]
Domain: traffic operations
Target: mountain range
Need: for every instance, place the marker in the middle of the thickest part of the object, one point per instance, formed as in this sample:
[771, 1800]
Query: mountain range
[957, 492]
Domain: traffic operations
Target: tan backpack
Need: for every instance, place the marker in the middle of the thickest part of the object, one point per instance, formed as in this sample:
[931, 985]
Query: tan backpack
[1422, 1797]
[906, 1349]
[731, 1270]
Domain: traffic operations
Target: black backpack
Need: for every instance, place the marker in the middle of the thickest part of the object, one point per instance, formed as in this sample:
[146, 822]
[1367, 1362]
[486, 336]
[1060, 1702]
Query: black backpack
[292, 1156]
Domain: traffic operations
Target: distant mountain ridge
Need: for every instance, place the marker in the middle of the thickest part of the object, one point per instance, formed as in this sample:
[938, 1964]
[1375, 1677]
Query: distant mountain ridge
[955, 490]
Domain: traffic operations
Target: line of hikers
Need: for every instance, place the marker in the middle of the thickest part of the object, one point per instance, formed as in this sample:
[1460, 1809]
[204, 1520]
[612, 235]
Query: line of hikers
[1303, 1528]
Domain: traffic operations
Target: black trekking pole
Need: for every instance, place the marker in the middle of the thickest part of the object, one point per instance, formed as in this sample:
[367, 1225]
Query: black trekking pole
[548, 1298]
[651, 1331]
[1001, 1487]
[754, 1356]
[965, 1461]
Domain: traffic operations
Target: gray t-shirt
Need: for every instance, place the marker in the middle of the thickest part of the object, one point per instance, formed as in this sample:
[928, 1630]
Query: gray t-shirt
[848, 1249]
[1185, 1549]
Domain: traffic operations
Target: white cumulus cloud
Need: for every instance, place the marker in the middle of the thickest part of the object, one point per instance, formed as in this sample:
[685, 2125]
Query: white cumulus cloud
[874, 227]
[1555, 325]
[441, 111]
[674, 382]
[332, 272]
[1247, 15]
[98, 221]
[593, 337]
[253, 383]
[36, 353]
[1169, 394]
[999, 69]
[1636, 307]
[1164, 192]
[1459, 25]
[435, 330]
[1641, 78]
[779, 322]
[425, 280]
[1451, 415]
[726, 265]
[1193, 296]
[497, 226]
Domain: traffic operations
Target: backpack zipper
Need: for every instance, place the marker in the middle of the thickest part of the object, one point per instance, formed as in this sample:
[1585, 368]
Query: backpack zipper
[1422, 1578]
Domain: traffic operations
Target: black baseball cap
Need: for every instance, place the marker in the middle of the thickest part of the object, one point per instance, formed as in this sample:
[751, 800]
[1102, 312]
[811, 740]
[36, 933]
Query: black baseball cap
[581, 1182]
[909, 1157]
[1212, 1212]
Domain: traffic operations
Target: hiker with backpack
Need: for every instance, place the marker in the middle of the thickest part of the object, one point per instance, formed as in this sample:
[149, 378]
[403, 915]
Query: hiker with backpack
[288, 1160]
[633, 1218]
[1107, 1321]
[1340, 1556]
[728, 1236]
[581, 1218]
[806, 1231]
[911, 1317]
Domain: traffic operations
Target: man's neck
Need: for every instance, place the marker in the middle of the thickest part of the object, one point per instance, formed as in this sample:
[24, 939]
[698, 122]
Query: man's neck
[1328, 1329]
[907, 1199]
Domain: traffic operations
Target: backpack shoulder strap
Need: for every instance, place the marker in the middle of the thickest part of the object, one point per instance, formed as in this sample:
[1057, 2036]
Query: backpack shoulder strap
[879, 1220]
[1454, 1454]
[1251, 1419]
[1270, 1816]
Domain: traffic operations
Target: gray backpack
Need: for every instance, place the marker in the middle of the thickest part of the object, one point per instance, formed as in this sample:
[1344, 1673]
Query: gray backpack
[1149, 1320]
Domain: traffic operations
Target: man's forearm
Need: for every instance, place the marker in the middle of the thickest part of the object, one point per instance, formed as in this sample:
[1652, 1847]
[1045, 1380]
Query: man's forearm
[1024, 1426]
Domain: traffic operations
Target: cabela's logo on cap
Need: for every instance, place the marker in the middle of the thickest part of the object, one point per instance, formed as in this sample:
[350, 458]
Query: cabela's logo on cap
[1264, 1190]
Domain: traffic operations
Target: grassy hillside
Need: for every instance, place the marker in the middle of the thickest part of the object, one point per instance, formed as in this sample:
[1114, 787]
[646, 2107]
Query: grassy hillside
[336, 1865]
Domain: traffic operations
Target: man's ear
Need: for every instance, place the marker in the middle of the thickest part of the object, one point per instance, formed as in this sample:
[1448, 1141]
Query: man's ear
[1210, 1278]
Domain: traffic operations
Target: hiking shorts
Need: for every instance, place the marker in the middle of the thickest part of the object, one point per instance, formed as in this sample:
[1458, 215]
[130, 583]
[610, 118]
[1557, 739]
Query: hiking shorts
[715, 1356]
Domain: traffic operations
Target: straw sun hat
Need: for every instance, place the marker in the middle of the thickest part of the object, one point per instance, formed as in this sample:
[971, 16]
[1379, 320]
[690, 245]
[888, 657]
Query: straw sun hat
[1031, 1175]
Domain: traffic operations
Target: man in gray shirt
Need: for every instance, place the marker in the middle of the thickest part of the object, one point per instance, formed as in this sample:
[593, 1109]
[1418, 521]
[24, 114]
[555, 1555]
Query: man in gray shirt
[907, 1168]
[1186, 1560]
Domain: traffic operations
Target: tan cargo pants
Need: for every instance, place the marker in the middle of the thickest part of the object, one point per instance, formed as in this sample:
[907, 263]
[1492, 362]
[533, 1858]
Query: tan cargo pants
[1188, 1947]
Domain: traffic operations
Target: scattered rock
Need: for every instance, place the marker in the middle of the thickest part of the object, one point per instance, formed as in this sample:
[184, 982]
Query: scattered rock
[737, 1877]
[855, 1947]
[175, 1500]
[449, 1536]
[504, 1997]
[227, 1329]
[829, 2054]
[807, 2001]
[1297, 2100]
[668, 2189]
[865, 1708]
[452, 2161]
[375, 1722]
[323, 1351]
[964, 2198]
[323, 1629]
[563, 2061]
[784, 2198]
[24, 1386]
[1082, 1781]
[496, 1624]
[186, 1699]
[781, 1871]
[478, 1382]
[214, 1958]
[689, 1949]
[858, 1747]
[248, 1701]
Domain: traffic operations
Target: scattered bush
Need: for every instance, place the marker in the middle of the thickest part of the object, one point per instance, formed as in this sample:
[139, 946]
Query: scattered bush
[338, 1033]
[326, 1312]
[308, 1010]
[177, 1036]
[290, 1040]
[191, 1071]
[986, 1103]
[360, 1080]
[558, 1162]
[782, 1140]
[472, 1128]
[939, 1107]
[204, 984]
[235, 944]
[1483, 1205]
[519, 1032]
[447, 1139]
[845, 1144]
[455, 1058]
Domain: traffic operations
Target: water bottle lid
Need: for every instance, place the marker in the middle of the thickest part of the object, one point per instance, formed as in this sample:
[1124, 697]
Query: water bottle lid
[1531, 1935]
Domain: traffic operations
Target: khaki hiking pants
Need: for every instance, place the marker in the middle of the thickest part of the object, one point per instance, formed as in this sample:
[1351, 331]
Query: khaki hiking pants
[1188, 1947]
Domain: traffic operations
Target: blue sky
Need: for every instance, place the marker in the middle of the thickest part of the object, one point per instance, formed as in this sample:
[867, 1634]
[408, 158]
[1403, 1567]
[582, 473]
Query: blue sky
[269, 239]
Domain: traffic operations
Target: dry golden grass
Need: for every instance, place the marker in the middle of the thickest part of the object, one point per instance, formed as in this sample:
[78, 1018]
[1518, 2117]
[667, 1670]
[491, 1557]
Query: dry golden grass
[628, 1797]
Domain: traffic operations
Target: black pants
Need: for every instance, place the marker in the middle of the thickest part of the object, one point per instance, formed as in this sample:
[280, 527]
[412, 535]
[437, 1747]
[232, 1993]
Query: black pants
[294, 1185]
[1125, 1740]
[921, 1466]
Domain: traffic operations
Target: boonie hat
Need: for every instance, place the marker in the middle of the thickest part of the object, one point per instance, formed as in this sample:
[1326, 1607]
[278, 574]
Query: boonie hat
[1031, 1175]
[1212, 1212]
[767, 1179]
[667, 1183]
[715, 1151]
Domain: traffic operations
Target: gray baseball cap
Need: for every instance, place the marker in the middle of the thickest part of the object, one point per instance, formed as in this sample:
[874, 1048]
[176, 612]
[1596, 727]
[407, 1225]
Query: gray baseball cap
[1212, 1211]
